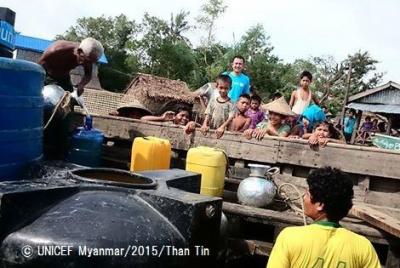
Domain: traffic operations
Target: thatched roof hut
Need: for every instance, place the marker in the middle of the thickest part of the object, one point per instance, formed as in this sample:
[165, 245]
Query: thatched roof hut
[155, 92]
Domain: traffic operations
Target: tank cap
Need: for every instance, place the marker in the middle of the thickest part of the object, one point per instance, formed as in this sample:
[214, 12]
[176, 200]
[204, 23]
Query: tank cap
[112, 177]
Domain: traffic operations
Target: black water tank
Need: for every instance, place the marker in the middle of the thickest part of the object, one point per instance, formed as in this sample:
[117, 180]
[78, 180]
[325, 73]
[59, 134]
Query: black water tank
[96, 224]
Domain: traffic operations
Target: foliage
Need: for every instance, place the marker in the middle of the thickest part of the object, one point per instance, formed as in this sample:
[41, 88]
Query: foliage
[161, 47]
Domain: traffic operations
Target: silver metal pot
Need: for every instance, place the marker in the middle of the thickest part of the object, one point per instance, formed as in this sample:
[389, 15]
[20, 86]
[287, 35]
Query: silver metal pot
[52, 94]
[258, 190]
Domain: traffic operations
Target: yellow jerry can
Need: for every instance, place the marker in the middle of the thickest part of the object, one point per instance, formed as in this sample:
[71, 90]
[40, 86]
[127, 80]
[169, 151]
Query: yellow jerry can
[211, 164]
[150, 153]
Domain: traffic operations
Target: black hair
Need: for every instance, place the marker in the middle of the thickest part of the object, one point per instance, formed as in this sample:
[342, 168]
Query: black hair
[182, 108]
[352, 111]
[368, 118]
[238, 57]
[224, 78]
[255, 97]
[276, 95]
[245, 96]
[333, 132]
[306, 74]
[333, 188]
[381, 126]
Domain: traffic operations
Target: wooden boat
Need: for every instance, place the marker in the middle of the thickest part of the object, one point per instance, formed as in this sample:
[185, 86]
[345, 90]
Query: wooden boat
[253, 230]
[386, 142]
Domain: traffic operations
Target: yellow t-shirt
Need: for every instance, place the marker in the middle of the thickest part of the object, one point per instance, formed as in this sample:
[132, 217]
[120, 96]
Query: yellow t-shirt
[322, 246]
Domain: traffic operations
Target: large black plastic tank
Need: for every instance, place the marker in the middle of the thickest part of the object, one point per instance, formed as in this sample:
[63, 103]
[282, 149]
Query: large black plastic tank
[21, 116]
[149, 219]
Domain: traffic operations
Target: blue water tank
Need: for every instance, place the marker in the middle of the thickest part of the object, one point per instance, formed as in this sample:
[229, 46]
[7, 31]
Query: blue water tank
[86, 145]
[21, 116]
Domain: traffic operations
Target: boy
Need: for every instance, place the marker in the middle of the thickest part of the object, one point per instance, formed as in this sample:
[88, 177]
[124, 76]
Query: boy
[240, 81]
[255, 114]
[220, 111]
[241, 121]
[181, 117]
[324, 243]
[301, 98]
[349, 123]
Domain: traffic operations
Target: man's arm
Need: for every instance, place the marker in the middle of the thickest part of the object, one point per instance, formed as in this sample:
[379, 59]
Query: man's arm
[279, 254]
[292, 99]
[246, 125]
[220, 131]
[86, 78]
[246, 89]
[315, 99]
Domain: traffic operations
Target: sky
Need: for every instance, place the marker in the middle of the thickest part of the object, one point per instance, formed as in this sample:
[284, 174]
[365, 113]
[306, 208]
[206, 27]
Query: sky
[297, 29]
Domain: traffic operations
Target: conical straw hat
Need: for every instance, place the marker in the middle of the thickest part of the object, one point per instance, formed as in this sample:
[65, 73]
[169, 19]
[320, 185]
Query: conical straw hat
[135, 104]
[279, 106]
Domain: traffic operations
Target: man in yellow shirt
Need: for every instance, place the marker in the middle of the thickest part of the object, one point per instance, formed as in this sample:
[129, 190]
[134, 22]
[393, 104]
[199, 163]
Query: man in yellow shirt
[324, 243]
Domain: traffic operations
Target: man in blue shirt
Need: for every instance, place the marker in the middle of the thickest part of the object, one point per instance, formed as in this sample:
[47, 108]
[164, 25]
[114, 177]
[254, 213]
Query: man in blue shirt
[349, 123]
[240, 81]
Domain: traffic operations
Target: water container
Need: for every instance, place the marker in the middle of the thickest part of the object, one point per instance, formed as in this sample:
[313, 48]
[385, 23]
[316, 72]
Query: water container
[86, 145]
[150, 153]
[21, 116]
[211, 164]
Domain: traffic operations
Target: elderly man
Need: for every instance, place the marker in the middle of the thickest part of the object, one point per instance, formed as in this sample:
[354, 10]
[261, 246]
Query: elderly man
[63, 56]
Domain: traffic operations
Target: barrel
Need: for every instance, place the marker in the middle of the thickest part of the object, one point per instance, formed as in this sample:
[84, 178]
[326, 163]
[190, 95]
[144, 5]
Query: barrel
[211, 164]
[86, 147]
[21, 116]
[150, 153]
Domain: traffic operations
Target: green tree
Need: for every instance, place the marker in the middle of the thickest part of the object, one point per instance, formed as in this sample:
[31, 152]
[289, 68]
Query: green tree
[209, 14]
[264, 68]
[164, 50]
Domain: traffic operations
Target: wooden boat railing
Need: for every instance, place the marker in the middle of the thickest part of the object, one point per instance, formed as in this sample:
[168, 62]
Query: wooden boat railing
[376, 172]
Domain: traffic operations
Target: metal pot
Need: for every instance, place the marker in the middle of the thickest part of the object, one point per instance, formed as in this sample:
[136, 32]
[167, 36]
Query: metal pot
[258, 190]
[52, 94]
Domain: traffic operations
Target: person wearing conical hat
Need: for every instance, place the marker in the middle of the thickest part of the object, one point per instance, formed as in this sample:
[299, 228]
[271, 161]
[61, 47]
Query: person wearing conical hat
[133, 109]
[278, 111]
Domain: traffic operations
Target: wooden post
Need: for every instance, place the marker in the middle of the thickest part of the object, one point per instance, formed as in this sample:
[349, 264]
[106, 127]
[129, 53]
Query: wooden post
[346, 96]
[389, 125]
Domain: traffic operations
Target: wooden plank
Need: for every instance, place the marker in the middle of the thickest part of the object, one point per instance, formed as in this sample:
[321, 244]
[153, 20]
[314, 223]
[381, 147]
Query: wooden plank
[250, 247]
[272, 217]
[377, 218]
[391, 200]
[368, 161]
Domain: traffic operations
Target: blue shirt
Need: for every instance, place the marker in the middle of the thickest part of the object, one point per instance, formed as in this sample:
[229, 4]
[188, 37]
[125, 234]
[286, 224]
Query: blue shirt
[349, 123]
[240, 85]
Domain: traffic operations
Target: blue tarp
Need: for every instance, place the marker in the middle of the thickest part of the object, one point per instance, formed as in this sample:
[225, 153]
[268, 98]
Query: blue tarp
[40, 45]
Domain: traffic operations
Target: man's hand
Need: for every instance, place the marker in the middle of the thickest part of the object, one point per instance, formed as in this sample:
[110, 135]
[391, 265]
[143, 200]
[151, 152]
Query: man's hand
[190, 127]
[80, 89]
[220, 131]
[313, 140]
[323, 141]
[260, 133]
[248, 133]
[204, 129]
[168, 116]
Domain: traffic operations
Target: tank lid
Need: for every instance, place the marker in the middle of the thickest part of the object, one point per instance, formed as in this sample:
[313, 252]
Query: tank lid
[20, 65]
[112, 177]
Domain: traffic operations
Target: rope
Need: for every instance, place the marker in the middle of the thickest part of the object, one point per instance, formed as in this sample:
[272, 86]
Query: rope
[60, 102]
[284, 195]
